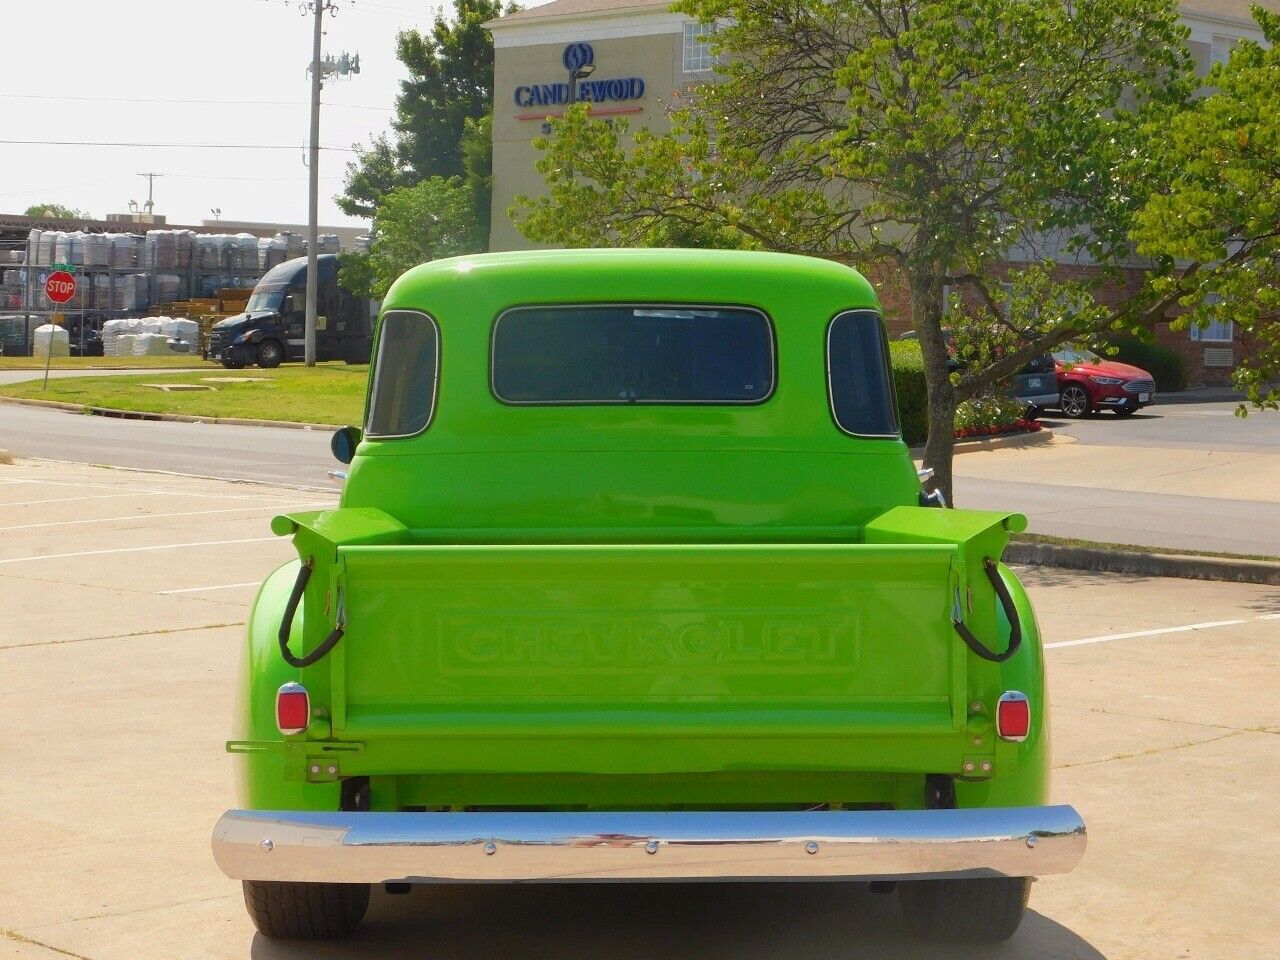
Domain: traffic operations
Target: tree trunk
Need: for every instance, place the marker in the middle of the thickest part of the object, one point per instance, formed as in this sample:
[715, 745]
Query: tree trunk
[926, 316]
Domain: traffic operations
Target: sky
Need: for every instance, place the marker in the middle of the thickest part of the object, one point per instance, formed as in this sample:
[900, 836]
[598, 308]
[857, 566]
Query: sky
[85, 70]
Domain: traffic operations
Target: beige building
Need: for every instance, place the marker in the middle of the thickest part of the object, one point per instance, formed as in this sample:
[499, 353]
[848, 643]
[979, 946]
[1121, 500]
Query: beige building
[639, 55]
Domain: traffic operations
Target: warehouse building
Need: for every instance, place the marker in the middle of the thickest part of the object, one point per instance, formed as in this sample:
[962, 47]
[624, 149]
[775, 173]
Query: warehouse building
[641, 56]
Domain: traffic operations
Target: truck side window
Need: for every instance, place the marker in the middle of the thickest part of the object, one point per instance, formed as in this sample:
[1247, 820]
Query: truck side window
[405, 372]
[621, 354]
[858, 376]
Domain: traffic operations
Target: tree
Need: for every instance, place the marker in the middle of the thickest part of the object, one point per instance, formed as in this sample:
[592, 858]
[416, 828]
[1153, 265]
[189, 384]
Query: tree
[427, 221]
[450, 85]
[939, 140]
[55, 210]
[1213, 223]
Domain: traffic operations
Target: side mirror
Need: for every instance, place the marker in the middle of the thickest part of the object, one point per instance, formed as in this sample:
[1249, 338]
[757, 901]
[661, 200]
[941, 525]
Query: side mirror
[344, 443]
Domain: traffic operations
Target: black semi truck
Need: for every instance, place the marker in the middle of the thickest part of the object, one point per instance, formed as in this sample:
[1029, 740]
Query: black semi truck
[272, 328]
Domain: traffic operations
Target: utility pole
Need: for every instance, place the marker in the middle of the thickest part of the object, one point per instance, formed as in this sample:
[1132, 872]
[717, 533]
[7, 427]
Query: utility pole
[313, 185]
[150, 205]
[320, 68]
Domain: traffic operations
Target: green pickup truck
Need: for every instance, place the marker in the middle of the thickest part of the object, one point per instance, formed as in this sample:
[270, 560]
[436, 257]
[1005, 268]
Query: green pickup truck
[633, 579]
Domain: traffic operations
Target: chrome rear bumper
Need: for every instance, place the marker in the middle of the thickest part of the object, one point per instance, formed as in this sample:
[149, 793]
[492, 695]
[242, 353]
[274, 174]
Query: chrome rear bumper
[524, 847]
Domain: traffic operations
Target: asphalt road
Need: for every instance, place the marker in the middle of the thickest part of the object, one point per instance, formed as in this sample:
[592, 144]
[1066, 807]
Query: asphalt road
[268, 454]
[1082, 506]
[20, 376]
[1206, 426]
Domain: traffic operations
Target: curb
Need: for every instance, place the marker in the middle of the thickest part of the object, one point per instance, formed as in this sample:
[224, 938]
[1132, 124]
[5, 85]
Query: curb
[1139, 564]
[169, 417]
[1042, 437]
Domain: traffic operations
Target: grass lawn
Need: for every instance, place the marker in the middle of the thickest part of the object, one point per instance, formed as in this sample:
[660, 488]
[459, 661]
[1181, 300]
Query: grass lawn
[329, 393]
[105, 363]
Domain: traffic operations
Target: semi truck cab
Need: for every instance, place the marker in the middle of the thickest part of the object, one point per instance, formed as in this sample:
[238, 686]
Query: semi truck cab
[272, 328]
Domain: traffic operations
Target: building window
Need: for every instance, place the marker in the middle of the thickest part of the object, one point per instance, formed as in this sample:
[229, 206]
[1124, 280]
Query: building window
[1217, 332]
[1222, 47]
[698, 57]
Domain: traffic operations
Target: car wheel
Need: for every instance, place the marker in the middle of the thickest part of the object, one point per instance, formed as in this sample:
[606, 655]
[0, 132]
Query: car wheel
[986, 910]
[310, 911]
[270, 354]
[1033, 413]
[1074, 401]
[230, 364]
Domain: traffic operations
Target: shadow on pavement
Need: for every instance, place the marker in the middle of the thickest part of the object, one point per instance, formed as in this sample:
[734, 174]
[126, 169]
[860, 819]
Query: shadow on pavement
[794, 921]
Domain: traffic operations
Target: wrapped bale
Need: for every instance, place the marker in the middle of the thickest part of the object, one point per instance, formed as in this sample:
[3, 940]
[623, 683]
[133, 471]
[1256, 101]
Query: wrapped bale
[125, 250]
[48, 245]
[97, 250]
[271, 253]
[51, 340]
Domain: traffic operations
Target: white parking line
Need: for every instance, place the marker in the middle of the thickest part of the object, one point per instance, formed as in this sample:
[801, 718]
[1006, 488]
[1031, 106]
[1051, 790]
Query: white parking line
[1208, 625]
[161, 546]
[89, 485]
[153, 516]
[221, 586]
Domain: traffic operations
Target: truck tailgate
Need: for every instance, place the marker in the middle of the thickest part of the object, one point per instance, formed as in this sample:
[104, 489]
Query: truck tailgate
[666, 640]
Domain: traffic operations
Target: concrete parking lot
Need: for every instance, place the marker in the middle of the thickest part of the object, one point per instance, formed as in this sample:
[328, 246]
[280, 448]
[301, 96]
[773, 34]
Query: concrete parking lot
[122, 597]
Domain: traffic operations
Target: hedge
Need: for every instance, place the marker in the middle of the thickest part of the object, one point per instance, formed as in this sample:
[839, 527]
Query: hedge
[908, 380]
[1168, 367]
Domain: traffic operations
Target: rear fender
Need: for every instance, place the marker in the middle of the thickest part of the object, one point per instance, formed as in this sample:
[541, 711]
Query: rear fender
[270, 769]
[1020, 774]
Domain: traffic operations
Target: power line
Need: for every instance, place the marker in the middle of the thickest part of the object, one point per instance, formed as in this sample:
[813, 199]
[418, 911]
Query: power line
[199, 146]
[237, 103]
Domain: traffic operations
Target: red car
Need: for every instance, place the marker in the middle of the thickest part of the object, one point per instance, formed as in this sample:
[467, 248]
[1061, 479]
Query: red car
[1087, 383]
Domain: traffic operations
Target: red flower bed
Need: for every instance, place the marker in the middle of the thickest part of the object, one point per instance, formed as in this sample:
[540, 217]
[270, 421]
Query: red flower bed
[1018, 426]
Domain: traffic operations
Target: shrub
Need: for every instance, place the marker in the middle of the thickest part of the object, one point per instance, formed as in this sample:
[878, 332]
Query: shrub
[987, 416]
[908, 381]
[1167, 367]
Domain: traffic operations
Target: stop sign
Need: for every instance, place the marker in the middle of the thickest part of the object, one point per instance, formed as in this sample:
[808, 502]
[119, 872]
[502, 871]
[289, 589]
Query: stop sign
[60, 287]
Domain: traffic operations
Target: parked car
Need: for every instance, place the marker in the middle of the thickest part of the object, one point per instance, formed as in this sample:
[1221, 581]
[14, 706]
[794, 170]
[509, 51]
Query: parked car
[1087, 383]
[633, 579]
[1035, 384]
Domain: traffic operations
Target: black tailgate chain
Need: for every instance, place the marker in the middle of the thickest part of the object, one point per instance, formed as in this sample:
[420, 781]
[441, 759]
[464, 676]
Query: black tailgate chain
[1006, 601]
[291, 608]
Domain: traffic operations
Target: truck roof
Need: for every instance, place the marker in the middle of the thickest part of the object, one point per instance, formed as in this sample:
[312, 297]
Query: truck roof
[765, 280]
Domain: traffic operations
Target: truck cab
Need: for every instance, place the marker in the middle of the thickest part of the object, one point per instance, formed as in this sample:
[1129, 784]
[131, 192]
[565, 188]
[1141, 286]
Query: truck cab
[272, 328]
[633, 579]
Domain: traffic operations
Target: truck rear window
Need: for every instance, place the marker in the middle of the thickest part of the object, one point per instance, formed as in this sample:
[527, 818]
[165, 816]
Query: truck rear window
[604, 354]
[858, 376]
[405, 371]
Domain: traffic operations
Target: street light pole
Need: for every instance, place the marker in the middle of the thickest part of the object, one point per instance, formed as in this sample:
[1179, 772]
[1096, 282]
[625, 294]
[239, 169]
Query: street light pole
[313, 188]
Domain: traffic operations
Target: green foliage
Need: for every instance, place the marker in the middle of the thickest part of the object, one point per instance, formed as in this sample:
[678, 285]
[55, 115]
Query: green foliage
[443, 113]
[430, 220]
[909, 384]
[941, 138]
[55, 210]
[1218, 205]
[1167, 367]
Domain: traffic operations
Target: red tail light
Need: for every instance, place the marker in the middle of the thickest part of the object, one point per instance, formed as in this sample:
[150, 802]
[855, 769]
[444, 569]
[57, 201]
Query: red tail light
[293, 708]
[1013, 716]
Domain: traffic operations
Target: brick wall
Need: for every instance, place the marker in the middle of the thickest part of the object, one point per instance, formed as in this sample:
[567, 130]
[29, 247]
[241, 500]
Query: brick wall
[891, 287]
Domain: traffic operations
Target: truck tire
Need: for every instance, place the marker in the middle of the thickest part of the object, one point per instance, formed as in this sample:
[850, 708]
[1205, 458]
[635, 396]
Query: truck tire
[965, 911]
[309, 911]
[270, 354]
